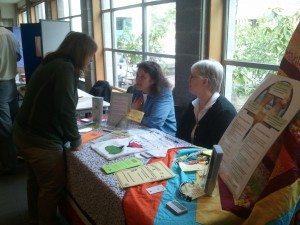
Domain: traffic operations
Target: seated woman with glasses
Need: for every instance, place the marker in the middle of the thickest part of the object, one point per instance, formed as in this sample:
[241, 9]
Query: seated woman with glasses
[208, 116]
[153, 96]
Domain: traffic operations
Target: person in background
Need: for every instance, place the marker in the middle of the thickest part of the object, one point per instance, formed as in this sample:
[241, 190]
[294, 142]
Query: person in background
[46, 121]
[153, 96]
[208, 116]
[9, 55]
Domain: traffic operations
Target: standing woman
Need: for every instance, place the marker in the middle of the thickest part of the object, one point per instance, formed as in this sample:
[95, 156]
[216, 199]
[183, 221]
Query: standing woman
[154, 97]
[208, 116]
[47, 121]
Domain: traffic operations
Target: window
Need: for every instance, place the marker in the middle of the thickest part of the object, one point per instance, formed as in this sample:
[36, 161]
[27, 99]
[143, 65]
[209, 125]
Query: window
[134, 31]
[22, 17]
[70, 10]
[40, 11]
[257, 34]
[123, 22]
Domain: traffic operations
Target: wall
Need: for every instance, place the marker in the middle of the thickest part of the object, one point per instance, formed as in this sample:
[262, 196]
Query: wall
[8, 13]
[191, 38]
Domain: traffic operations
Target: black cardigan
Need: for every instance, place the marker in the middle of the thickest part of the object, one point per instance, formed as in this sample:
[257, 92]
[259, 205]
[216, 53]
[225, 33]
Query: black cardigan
[211, 127]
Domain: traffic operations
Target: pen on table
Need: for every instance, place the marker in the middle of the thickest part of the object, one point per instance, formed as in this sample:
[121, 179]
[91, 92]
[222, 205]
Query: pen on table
[171, 139]
[107, 130]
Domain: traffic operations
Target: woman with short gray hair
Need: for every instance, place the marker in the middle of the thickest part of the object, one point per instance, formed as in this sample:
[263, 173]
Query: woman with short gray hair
[208, 116]
[212, 70]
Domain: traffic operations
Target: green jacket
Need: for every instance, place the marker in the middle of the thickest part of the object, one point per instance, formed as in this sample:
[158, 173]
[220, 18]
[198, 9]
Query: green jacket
[47, 117]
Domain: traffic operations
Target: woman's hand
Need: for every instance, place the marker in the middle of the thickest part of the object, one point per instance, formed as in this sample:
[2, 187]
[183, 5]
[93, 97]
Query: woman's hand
[138, 104]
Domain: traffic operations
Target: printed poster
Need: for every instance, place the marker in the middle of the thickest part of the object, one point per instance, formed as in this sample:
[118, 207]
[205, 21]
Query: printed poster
[256, 127]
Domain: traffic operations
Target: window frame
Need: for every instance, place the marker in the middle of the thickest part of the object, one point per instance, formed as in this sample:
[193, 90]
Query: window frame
[23, 14]
[69, 18]
[36, 10]
[237, 63]
[230, 62]
[113, 49]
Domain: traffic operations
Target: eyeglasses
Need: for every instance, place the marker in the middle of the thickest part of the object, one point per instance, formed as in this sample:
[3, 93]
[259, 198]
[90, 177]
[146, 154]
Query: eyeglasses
[192, 77]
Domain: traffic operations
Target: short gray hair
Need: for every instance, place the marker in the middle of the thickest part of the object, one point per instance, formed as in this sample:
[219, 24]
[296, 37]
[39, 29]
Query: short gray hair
[212, 70]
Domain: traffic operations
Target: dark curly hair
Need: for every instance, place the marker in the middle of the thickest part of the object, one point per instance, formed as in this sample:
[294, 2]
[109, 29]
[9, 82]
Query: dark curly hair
[154, 70]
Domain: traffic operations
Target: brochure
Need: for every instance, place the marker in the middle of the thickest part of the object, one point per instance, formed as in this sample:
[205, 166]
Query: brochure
[120, 105]
[144, 174]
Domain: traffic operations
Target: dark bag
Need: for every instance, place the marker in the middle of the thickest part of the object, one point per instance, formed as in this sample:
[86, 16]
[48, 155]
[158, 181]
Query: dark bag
[101, 89]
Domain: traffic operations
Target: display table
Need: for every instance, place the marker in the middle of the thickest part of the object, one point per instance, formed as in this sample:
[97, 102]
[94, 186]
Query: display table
[93, 196]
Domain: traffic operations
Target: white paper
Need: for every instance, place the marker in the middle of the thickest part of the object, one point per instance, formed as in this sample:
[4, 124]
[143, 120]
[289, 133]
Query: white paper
[124, 145]
[85, 130]
[85, 101]
[192, 167]
[154, 142]
[253, 131]
[120, 105]
[157, 144]
[155, 189]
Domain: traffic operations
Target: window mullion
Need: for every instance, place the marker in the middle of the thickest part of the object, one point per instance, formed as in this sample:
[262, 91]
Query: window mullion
[144, 32]
[113, 44]
[225, 29]
[251, 65]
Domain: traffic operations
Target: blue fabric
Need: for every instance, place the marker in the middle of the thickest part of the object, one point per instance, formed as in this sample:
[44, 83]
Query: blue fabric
[159, 111]
[8, 110]
[164, 216]
[287, 218]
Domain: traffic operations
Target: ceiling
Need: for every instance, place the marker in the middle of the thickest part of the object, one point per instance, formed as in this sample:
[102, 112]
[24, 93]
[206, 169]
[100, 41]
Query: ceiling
[10, 1]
